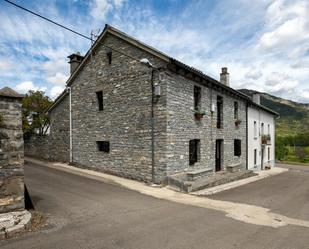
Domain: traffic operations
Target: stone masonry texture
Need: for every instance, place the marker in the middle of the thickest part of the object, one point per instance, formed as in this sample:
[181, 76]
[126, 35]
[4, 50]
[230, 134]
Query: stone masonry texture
[11, 155]
[125, 119]
[54, 146]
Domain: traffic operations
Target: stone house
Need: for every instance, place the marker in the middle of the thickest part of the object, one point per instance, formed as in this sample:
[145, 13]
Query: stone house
[133, 111]
[11, 151]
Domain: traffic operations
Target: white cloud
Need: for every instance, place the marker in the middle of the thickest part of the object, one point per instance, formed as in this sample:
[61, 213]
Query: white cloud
[58, 78]
[55, 91]
[25, 86]
[287, 25]
[100, 8]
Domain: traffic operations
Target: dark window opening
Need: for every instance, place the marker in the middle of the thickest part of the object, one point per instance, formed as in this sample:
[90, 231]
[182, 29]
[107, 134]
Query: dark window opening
[109, 57]
[197, 97]
[103, 146]
[100, 100]
[255, 157]
[268, 153]
[194, 151]
[219, 111]
[237, 147]
[235, 110]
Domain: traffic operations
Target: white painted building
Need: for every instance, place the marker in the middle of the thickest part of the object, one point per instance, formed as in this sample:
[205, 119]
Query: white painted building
[261, 136]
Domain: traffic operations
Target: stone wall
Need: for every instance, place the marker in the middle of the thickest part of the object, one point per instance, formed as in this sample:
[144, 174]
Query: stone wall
[182, 126]
[38, 146]
[11, 155]
[125, 120]
[56, 145]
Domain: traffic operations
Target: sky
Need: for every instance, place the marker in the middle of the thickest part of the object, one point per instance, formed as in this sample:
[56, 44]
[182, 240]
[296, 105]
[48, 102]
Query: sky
[264, 44]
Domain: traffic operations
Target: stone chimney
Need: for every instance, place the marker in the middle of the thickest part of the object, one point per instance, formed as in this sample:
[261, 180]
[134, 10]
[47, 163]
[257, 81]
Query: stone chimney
[256, 98]
[225, 77]
[75, 60]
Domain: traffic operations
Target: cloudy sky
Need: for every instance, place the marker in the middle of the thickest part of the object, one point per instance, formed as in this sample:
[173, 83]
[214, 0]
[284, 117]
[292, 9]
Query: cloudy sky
[265, 44]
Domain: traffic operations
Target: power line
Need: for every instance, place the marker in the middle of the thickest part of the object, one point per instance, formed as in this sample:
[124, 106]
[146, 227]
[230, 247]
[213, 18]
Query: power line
[49, 20]
[69, 29]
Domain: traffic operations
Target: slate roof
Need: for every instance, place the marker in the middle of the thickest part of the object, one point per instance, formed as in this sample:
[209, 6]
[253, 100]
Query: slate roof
[168, 59]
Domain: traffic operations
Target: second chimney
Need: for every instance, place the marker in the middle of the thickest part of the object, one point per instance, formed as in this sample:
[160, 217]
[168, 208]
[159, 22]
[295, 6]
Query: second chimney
[225, 77]
[75, 60]
[256, 98]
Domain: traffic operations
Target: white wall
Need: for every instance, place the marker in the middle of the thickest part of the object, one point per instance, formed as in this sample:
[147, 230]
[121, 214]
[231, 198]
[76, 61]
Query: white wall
[254, 142]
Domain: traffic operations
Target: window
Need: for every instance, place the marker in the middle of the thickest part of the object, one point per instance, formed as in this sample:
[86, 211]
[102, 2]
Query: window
[103, 146]
[219, 111]
[237, 147]
[197, 97]
[194, 151]
[255, 130]
[255, 157]
[262, 129]
[268, 129]
[100, 100]
[109, 57]
[268, 153]
[235, 110]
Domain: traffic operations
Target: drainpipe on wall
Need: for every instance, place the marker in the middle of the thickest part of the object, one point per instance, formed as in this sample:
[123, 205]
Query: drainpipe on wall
[152, 128]
[70, 113]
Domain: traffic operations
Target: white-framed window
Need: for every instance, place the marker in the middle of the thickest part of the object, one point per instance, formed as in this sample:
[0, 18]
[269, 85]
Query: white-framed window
[255, 156]
[262, 129]
[268, 129]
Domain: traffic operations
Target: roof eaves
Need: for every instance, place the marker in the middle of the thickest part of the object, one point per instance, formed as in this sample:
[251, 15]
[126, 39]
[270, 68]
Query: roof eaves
[208, 78]
[56, 102]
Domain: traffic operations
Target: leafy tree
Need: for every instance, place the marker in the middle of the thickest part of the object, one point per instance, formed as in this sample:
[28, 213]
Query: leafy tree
[34, 118]
[281, 150]
[301, 153]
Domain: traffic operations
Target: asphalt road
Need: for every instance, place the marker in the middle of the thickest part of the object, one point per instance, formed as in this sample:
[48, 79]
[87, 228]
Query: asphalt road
[85, 213]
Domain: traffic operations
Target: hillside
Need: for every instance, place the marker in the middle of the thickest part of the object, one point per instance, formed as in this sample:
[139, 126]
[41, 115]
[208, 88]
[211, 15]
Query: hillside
[294, 117]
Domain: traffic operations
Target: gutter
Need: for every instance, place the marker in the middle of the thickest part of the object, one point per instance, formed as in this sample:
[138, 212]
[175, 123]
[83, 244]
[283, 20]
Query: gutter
[70, 118]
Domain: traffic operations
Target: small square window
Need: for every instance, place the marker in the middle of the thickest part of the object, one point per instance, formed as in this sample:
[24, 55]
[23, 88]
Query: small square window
[103, 146]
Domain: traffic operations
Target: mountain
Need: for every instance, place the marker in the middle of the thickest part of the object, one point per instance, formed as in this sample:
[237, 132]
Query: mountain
[294, 117]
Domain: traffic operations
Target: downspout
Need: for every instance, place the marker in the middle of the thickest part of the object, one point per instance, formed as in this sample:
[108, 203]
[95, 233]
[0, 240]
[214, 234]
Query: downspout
[247, 130]
[152, 128]
[70, 118]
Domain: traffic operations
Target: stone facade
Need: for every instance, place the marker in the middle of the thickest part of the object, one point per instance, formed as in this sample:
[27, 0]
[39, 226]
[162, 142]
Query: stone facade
[11, 153]
[54, 146]
[183, 127]
[125, 121]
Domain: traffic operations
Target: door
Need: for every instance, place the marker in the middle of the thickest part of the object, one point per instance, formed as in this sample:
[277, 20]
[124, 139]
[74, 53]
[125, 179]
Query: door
[218, 154]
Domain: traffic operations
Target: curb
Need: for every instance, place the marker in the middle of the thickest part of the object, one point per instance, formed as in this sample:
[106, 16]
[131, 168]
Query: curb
[14, 222]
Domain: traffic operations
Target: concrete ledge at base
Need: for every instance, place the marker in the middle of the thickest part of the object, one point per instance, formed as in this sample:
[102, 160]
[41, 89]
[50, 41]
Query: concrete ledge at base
[233, 167]
[14, 222]
[193, 175]
[261, 175]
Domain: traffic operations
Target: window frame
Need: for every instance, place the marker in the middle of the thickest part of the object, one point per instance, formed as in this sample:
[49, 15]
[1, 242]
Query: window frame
[237, 147]
[103, 146]
[197, 97]
[194, 153]
[100, 100]
[236, 108]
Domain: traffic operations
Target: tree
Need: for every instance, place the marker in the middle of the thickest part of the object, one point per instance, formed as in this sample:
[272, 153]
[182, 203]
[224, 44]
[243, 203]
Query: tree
[301, 153]
[34, 118]
[281, 150]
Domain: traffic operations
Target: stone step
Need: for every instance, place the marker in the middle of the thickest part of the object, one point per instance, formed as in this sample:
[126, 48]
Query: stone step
[183, 183]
